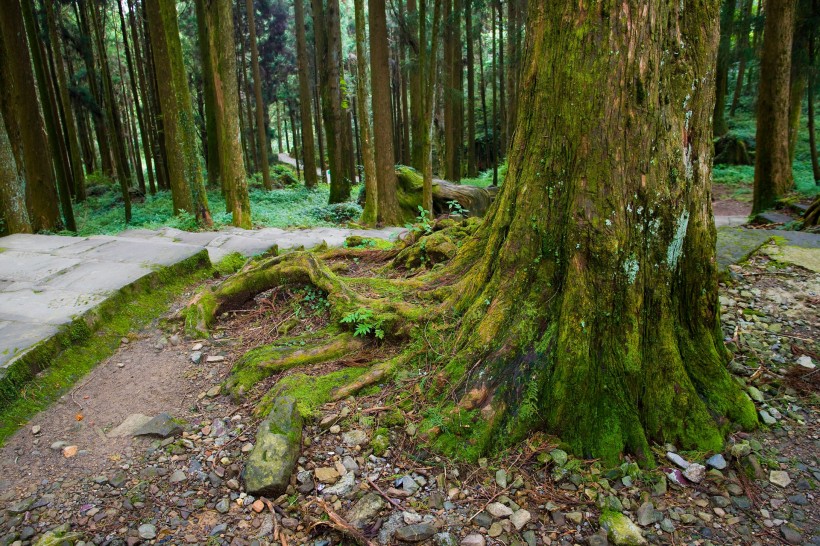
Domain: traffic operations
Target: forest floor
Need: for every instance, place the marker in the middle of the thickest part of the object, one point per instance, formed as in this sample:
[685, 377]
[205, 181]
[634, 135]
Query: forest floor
[69, 473]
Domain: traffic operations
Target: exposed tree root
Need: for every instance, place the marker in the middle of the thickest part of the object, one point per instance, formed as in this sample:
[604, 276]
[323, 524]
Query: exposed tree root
[811, 218]
[395, 316]
[262, 362]
[377, 374]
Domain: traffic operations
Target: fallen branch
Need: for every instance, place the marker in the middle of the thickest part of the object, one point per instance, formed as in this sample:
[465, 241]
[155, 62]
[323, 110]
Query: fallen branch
[338, 523]
[383, 494]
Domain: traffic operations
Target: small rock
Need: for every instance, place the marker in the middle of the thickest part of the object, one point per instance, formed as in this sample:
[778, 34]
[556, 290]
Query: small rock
[495, 530]
[520, 518]
[163, 425]
[223, 506]
[196, 357]
[58, 445]
[70, 451]
[621, 530]
[415, 533]
[805, 362]
[444, 539]
[197, 347]
[559, 456]
[499, 510]
[365, 510]
[335, 429]
[258, 506]
[327, 474]
[767, 418]
[473, 539]
[354, 438]
[755, 394]
[215, 358]
[501, 478]
[147, 531]
[214, 391]
[343, 487]
[779, 478]
[716, 461]
[178, 476]
[678, 460]
[791, 534]
[35, 430]
[695, 472]
[647, 515]
[483, 519]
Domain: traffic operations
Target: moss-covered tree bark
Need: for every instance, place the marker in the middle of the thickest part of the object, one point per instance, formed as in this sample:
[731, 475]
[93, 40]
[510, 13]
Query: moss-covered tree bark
[589, 295]
[219, 56]
[262, 144]
[12, 196]
[773, 169]
[23, 120]
[179, 129]
[308, 149]
[369, 214]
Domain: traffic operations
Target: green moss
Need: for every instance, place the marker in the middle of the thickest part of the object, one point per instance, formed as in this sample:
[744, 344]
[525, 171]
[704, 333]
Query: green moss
[309, 391]
[380, 442]
[79, 347]
[230, 264]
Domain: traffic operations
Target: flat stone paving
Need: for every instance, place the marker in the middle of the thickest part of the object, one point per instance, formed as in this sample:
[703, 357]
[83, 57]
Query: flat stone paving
[48, 280]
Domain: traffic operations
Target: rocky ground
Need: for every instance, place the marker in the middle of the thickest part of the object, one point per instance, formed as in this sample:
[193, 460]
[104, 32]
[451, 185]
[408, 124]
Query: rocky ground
[82, 472]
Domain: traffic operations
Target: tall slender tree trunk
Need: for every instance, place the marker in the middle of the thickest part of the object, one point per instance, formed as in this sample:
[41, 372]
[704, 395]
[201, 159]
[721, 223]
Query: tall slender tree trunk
[804, 24]
[129, 138]
[50, 117]
[328, 49]
[101, 127]
[184, 173]
[482, 86]
[112, 113]
[495, 141]
[219, 52]
[512, 64]
[453, 94]
[12, 195]
[727, 18]
[469, 32]
[604, 333]
[152, 91]
[428, 68]
[773, 170]
[417, 123]
[388, 211]
[317, 117]
[134, 61]
[815, 164]
[502, 94]
[742, 49]
[305, 97]
[78, 176]
[205, 37]
[370, 214]
[260, 105]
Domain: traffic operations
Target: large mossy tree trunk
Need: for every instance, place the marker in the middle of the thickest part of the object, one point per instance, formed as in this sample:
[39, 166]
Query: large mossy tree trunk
[773, 170]
[12, 195]
[589, 297]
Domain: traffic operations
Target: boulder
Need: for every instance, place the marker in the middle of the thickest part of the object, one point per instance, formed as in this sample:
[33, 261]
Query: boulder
[621, 530]
[276, 450]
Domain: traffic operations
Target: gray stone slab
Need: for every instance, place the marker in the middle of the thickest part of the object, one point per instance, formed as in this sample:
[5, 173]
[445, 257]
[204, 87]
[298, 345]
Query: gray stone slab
[736, 244]
[19, 265]
[98, 277]
[731, 221]
[45, 306]
[143, 252]
[80, 246]
[246, 246]
[17, 337]
[795, 238]
[35, 243]
[138, 234]
[198, 238]
[772, 217]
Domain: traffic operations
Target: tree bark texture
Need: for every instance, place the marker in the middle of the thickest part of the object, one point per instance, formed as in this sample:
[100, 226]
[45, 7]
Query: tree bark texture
[589, 294]
[773, 170]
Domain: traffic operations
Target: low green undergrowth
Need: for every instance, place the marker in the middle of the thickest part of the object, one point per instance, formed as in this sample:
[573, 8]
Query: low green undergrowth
[293, 206]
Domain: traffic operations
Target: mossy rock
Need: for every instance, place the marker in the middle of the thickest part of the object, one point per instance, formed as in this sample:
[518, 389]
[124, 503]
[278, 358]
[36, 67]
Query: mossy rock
[278, 442]
[58, 536]
[621, 530]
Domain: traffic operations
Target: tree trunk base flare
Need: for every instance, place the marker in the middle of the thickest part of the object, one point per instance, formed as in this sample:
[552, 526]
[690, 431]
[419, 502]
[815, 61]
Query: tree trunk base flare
[585, 304]
[730, 149]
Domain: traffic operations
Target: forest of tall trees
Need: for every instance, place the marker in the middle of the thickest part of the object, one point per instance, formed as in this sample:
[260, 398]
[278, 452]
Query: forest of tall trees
[194, 96]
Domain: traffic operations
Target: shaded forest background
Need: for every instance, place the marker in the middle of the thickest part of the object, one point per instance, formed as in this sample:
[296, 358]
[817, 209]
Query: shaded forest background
[152, 112]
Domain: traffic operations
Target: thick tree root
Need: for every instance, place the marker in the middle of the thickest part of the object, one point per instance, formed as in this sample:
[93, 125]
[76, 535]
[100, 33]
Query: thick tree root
[394, 316]
[811, 218]
[377, 374]
[262, 362]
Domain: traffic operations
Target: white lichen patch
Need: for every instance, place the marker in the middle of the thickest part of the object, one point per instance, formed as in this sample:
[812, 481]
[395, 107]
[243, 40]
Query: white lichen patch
[631, 268]
[673, 253]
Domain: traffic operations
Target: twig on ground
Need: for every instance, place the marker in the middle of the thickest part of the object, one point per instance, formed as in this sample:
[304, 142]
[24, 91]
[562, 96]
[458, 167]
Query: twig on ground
[383, 494]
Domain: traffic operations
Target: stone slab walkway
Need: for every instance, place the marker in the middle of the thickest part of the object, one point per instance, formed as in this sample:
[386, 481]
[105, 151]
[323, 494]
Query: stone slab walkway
[46, 281]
